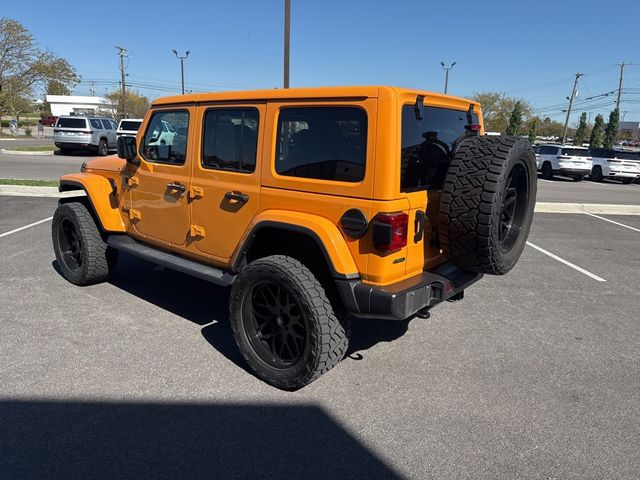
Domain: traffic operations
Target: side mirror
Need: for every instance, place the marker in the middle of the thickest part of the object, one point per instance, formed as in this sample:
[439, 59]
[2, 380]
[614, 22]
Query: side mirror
[127, 148]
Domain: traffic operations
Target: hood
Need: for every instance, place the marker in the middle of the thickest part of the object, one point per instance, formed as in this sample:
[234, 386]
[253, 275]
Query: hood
[109, 164]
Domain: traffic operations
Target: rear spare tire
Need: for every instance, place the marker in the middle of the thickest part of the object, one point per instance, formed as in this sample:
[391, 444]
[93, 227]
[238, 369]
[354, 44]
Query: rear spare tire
[487, 201]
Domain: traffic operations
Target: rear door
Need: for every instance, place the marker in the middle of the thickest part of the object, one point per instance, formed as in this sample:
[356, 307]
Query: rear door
[225, 188]
[158, 193]
[426, 146]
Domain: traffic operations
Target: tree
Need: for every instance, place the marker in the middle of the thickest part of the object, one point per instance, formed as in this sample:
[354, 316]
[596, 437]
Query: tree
[533, 129]
[597, 132]
[137, 105]
[496, 109]
[24, 66]
[581, 132]
[515, 120]
[611, 131]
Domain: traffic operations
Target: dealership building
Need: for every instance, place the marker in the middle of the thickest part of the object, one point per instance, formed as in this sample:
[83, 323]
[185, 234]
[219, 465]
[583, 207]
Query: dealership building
[78, 105]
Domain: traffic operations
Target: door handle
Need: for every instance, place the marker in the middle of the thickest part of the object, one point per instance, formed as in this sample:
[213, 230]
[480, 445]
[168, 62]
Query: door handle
[176, 186]
[238, 196]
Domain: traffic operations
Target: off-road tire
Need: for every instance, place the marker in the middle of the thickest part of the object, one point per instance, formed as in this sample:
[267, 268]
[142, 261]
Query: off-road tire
[326, 336]
[474, 198]
[98, 260]
[547, 171]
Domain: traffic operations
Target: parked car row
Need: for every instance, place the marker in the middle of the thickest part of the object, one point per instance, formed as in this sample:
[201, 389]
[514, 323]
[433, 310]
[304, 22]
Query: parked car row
[94, 134]
[579, 162]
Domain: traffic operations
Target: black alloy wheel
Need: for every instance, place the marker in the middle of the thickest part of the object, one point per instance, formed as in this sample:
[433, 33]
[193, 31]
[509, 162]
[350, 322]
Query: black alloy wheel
[70, 245]
[514, 206]
[275, 324]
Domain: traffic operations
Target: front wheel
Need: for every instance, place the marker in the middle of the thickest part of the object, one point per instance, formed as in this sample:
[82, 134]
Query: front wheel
[283, 323]
[547, 171]
[83, 256]
[596, 174]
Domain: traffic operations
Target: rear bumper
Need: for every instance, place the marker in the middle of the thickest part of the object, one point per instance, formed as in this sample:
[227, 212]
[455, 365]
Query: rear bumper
[574, 171]
[404, 299]
[77, 145]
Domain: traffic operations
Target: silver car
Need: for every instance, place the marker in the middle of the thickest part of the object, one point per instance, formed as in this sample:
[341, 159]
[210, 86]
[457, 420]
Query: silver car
[95, 134]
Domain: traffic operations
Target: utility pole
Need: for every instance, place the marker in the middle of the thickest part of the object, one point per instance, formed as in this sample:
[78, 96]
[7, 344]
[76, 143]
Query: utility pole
[287, 40]
[622, 65]
[93, 89]
[446, 75]
[123, 88]
[573, 94]
[182, 59]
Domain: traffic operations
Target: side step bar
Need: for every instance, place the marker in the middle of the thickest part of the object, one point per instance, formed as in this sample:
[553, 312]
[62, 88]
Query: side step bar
[127, 244]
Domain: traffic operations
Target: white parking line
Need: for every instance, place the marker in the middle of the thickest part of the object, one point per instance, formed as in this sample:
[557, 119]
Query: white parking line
[611, 221]
[26, 226]
[562, 260]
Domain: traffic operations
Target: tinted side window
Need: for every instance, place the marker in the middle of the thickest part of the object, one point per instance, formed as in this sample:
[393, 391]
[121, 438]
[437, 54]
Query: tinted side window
[165, 140]
[72, 123]
[96, 124]
[230, 139]
[107, 124]
[326, 143]
[427, 144]
[548, 150]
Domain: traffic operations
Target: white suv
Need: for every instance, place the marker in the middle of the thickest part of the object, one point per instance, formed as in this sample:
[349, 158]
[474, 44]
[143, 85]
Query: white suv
[567, 160]
[615, 164]
[129, 127]
[94, 134]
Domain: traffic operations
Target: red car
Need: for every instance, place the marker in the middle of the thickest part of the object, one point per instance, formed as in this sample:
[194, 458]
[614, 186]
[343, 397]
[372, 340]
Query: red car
[48, 121]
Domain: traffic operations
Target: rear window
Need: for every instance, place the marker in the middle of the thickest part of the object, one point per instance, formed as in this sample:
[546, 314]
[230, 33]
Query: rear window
[129, 125]
[575, 152]
[326, 143]
[427, 144]
[628, 155]
[72, 123]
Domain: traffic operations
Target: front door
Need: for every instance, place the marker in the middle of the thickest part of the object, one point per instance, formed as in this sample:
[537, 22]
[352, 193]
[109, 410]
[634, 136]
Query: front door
[226, 180]
[159, 200]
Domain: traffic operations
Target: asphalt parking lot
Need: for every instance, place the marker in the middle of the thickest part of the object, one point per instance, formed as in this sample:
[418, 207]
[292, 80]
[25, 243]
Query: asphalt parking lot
[534, 375]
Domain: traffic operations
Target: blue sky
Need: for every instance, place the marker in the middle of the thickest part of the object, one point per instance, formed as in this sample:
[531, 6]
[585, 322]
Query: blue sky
[529, 50]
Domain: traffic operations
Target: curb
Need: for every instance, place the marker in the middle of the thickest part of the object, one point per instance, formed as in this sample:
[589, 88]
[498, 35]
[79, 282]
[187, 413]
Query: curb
[541, 207]
[28, 191]
[610, 209]
[18, 152]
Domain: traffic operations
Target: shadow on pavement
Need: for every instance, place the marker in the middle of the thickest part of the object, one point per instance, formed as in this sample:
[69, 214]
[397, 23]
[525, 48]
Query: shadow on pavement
[207, 305]
[81, 440]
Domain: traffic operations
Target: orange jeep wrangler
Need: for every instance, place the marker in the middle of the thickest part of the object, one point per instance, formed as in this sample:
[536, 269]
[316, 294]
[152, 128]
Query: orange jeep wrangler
[315, 205]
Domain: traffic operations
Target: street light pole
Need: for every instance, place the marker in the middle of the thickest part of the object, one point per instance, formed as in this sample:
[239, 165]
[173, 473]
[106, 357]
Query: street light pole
[446, 74]
[182, 58]
[287, 40]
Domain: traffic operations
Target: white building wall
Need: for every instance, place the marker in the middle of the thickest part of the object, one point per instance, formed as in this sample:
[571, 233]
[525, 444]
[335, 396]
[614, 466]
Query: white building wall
[77, 104]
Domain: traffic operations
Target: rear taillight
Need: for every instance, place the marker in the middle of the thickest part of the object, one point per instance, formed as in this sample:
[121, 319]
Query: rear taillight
[390, 231]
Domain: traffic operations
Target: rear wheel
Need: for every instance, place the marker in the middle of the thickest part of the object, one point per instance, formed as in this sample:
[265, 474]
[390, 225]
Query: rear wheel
[65, 151]
[284, 324]
[547, 171]
[103, 148]
[596, 174]
[83, 256]
[577, 178]
[487, 201]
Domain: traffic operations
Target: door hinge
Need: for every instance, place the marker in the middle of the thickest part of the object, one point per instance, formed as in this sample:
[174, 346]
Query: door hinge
[196, 192]
[197, 231]
[133, 182]
[135, 215]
